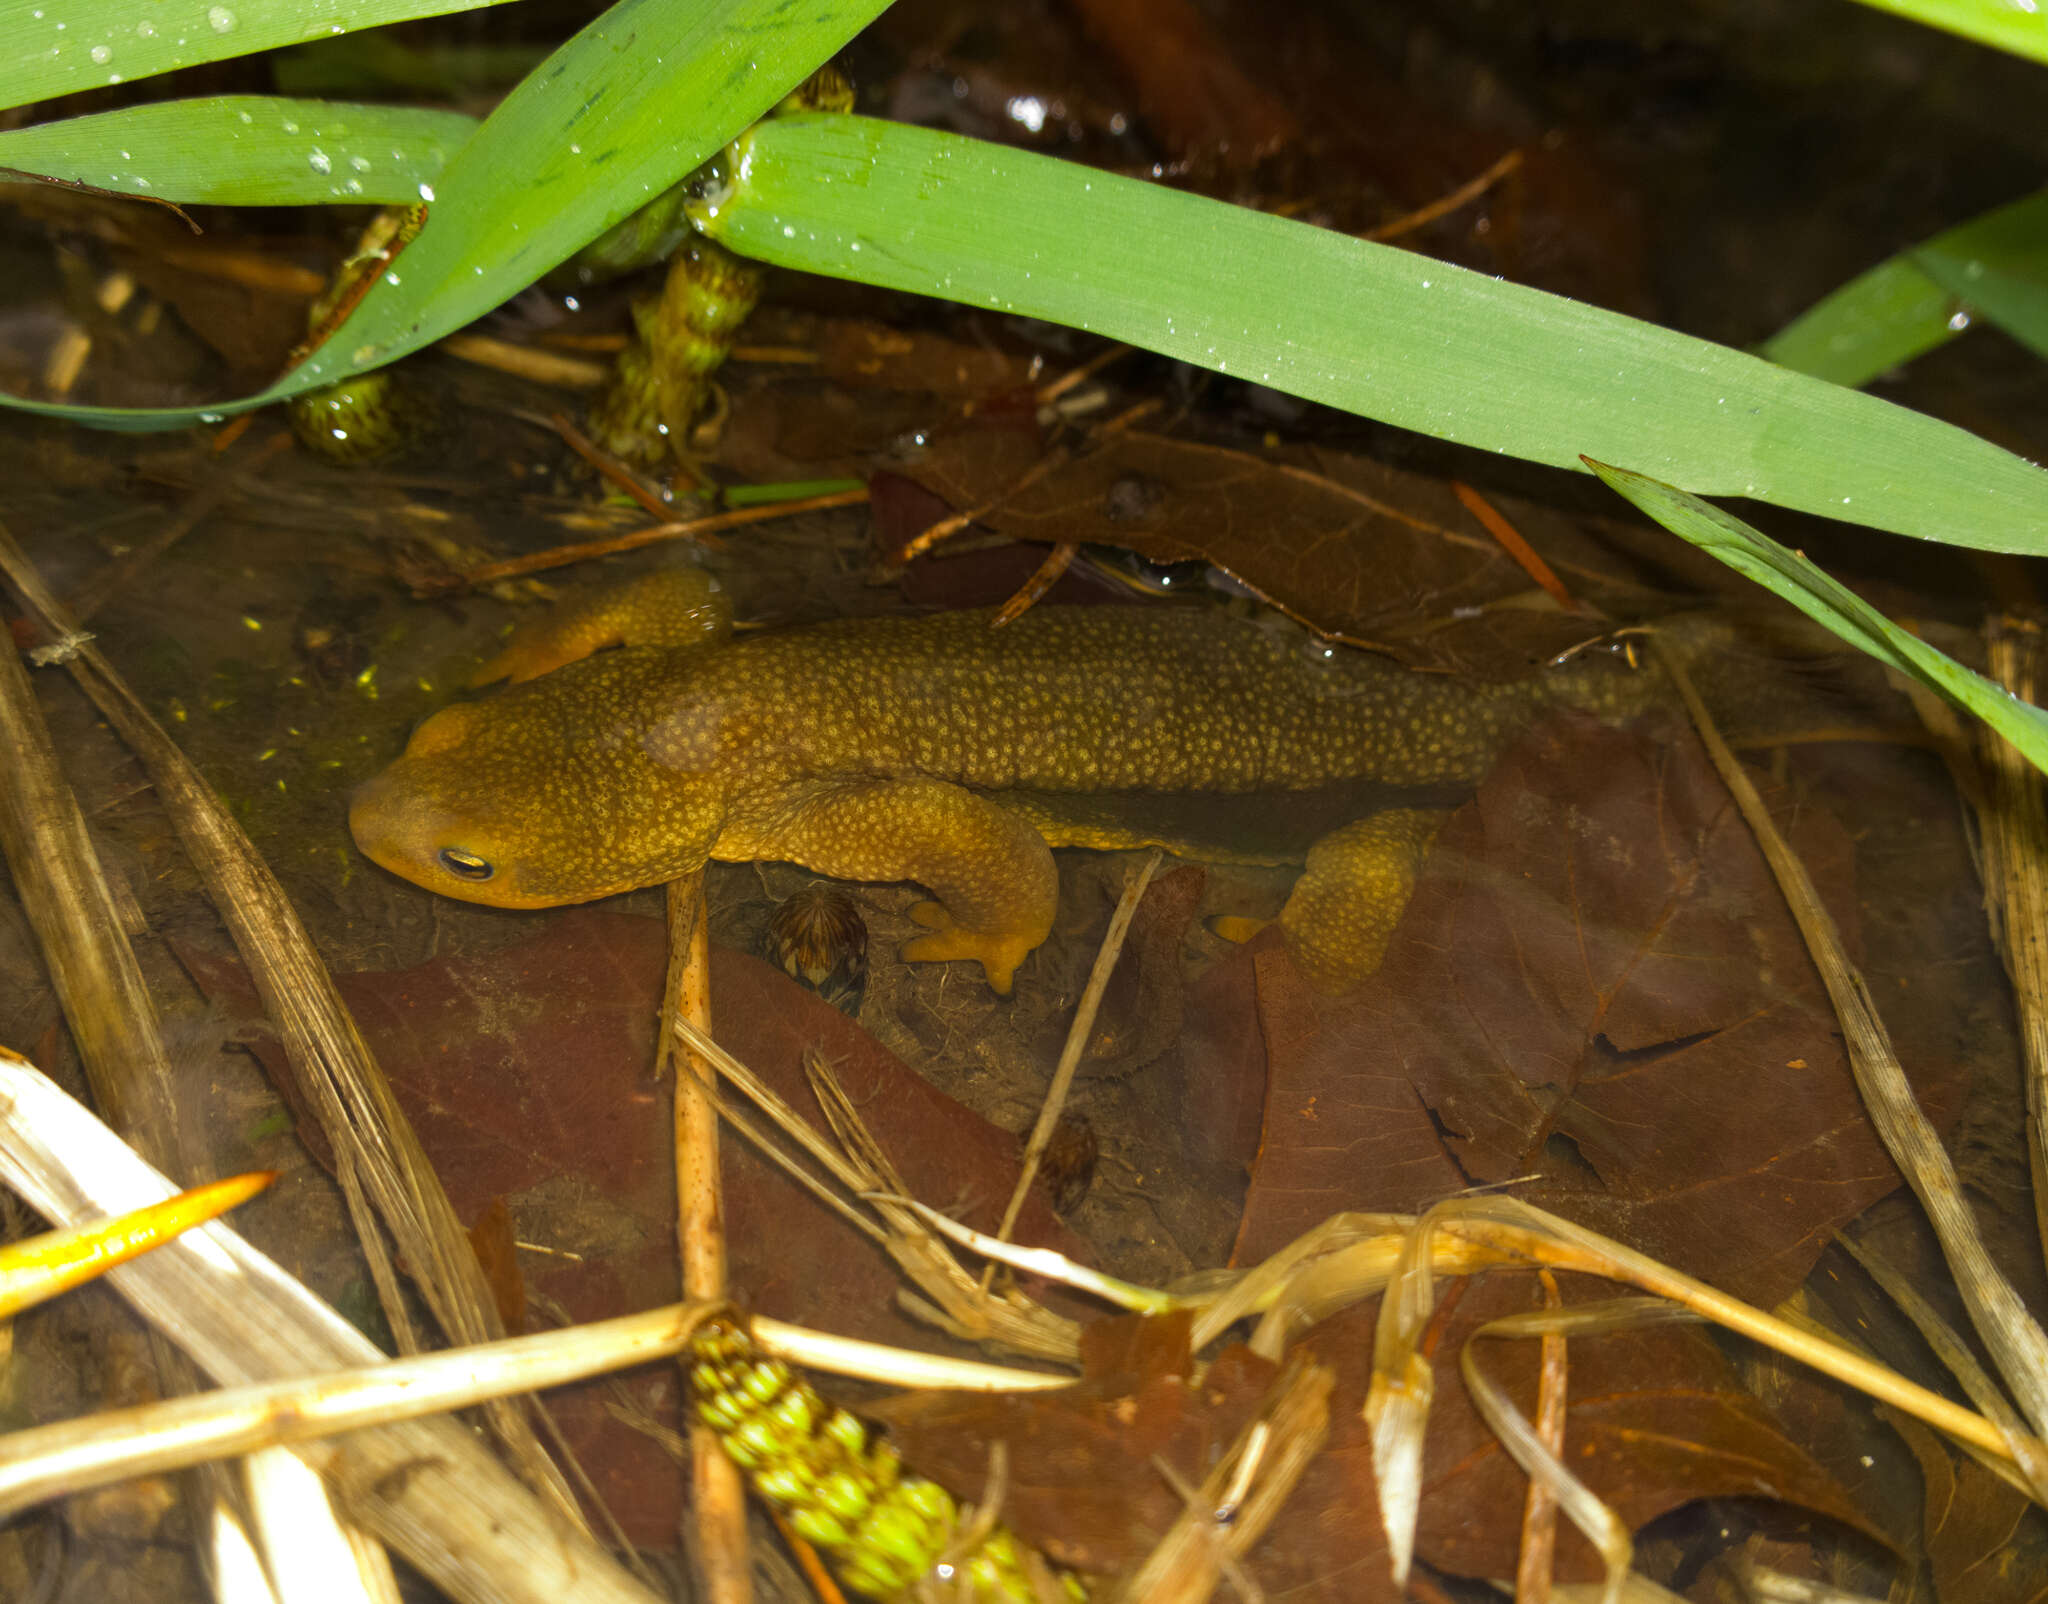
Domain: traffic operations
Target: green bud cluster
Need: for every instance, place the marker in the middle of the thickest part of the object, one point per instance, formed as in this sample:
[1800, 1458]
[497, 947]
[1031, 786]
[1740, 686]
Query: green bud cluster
[841, 1488]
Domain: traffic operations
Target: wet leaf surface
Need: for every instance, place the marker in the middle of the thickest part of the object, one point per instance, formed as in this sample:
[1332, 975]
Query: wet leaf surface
[1985, 1540]
[1596, 985]
[527, 1074]
[1351, 547]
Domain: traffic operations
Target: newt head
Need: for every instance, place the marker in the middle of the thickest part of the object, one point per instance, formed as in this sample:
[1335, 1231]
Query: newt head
[542, 795]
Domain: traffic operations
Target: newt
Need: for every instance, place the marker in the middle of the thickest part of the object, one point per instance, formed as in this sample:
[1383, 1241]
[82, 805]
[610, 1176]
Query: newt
[939, 750]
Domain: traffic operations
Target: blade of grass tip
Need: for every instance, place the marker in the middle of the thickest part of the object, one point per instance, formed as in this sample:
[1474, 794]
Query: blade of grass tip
[58, 47]
[2010, 25]
[247, 150]
[622, 111]
[1521, 1230]
[1375, 330]
[1828, 602]
[1047, 1263]
[1997, 265]
[1398, 1398]
[43, 1266]
[1877, 321]
[1991, 267]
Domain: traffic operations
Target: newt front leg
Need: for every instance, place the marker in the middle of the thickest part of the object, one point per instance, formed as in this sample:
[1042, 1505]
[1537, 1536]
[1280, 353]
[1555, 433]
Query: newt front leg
[991, 872]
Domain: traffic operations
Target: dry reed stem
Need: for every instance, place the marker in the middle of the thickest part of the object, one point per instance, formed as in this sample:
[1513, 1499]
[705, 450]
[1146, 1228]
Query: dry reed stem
[72, 1456]
[93, 970]
[2016, 1343]
[961, 1308]
[69, 1456]
[526, 361]
[334, 1068]
[1240, 1498]
[429, 1488]
[2014, 828]
[1539, 1504]
[718, 1494]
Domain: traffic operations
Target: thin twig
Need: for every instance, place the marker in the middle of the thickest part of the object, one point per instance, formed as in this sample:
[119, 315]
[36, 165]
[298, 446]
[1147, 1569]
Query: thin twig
[1514, 543]
[718, 1495]
[1539, 1504]
[607, 466]
[1444, 205]
[93, 970]
[690, 529]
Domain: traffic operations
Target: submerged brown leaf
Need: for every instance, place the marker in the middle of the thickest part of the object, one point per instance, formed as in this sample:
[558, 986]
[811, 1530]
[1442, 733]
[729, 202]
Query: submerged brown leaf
[1082, 1481]
[528, 1074]
[1596, 985]
[1351, 547]
[1985, 1540]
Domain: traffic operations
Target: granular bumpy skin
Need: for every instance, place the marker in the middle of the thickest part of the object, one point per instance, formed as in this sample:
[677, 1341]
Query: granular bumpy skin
[882, 749]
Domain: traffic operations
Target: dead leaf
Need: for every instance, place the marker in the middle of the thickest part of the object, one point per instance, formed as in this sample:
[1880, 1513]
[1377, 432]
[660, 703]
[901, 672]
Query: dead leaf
[1596, 984]
[1986, 1541]
[1352, 548]
[527, 1073]
[1082, 1482]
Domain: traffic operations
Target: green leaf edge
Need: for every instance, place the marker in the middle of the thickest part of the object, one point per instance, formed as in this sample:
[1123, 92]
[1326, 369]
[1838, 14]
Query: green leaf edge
[1369, 328]
[255, 150]
[1831, 604]
[50, 43]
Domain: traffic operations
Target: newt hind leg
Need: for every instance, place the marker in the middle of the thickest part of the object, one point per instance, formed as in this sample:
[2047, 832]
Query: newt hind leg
[1345, 906]
[991, 873]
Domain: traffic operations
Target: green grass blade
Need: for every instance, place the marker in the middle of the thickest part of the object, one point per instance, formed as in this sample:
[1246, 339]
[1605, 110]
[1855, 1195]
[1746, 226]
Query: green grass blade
[247, 150]
[1997, 265]
[1756, 556]
[621, 112]
[1994, 267]
[2014, 25]
[1365, 327]
[1874, 323]
[58, 47]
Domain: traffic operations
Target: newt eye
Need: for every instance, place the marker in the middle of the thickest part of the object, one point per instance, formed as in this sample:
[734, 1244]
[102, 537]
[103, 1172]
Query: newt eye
[466, 865]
